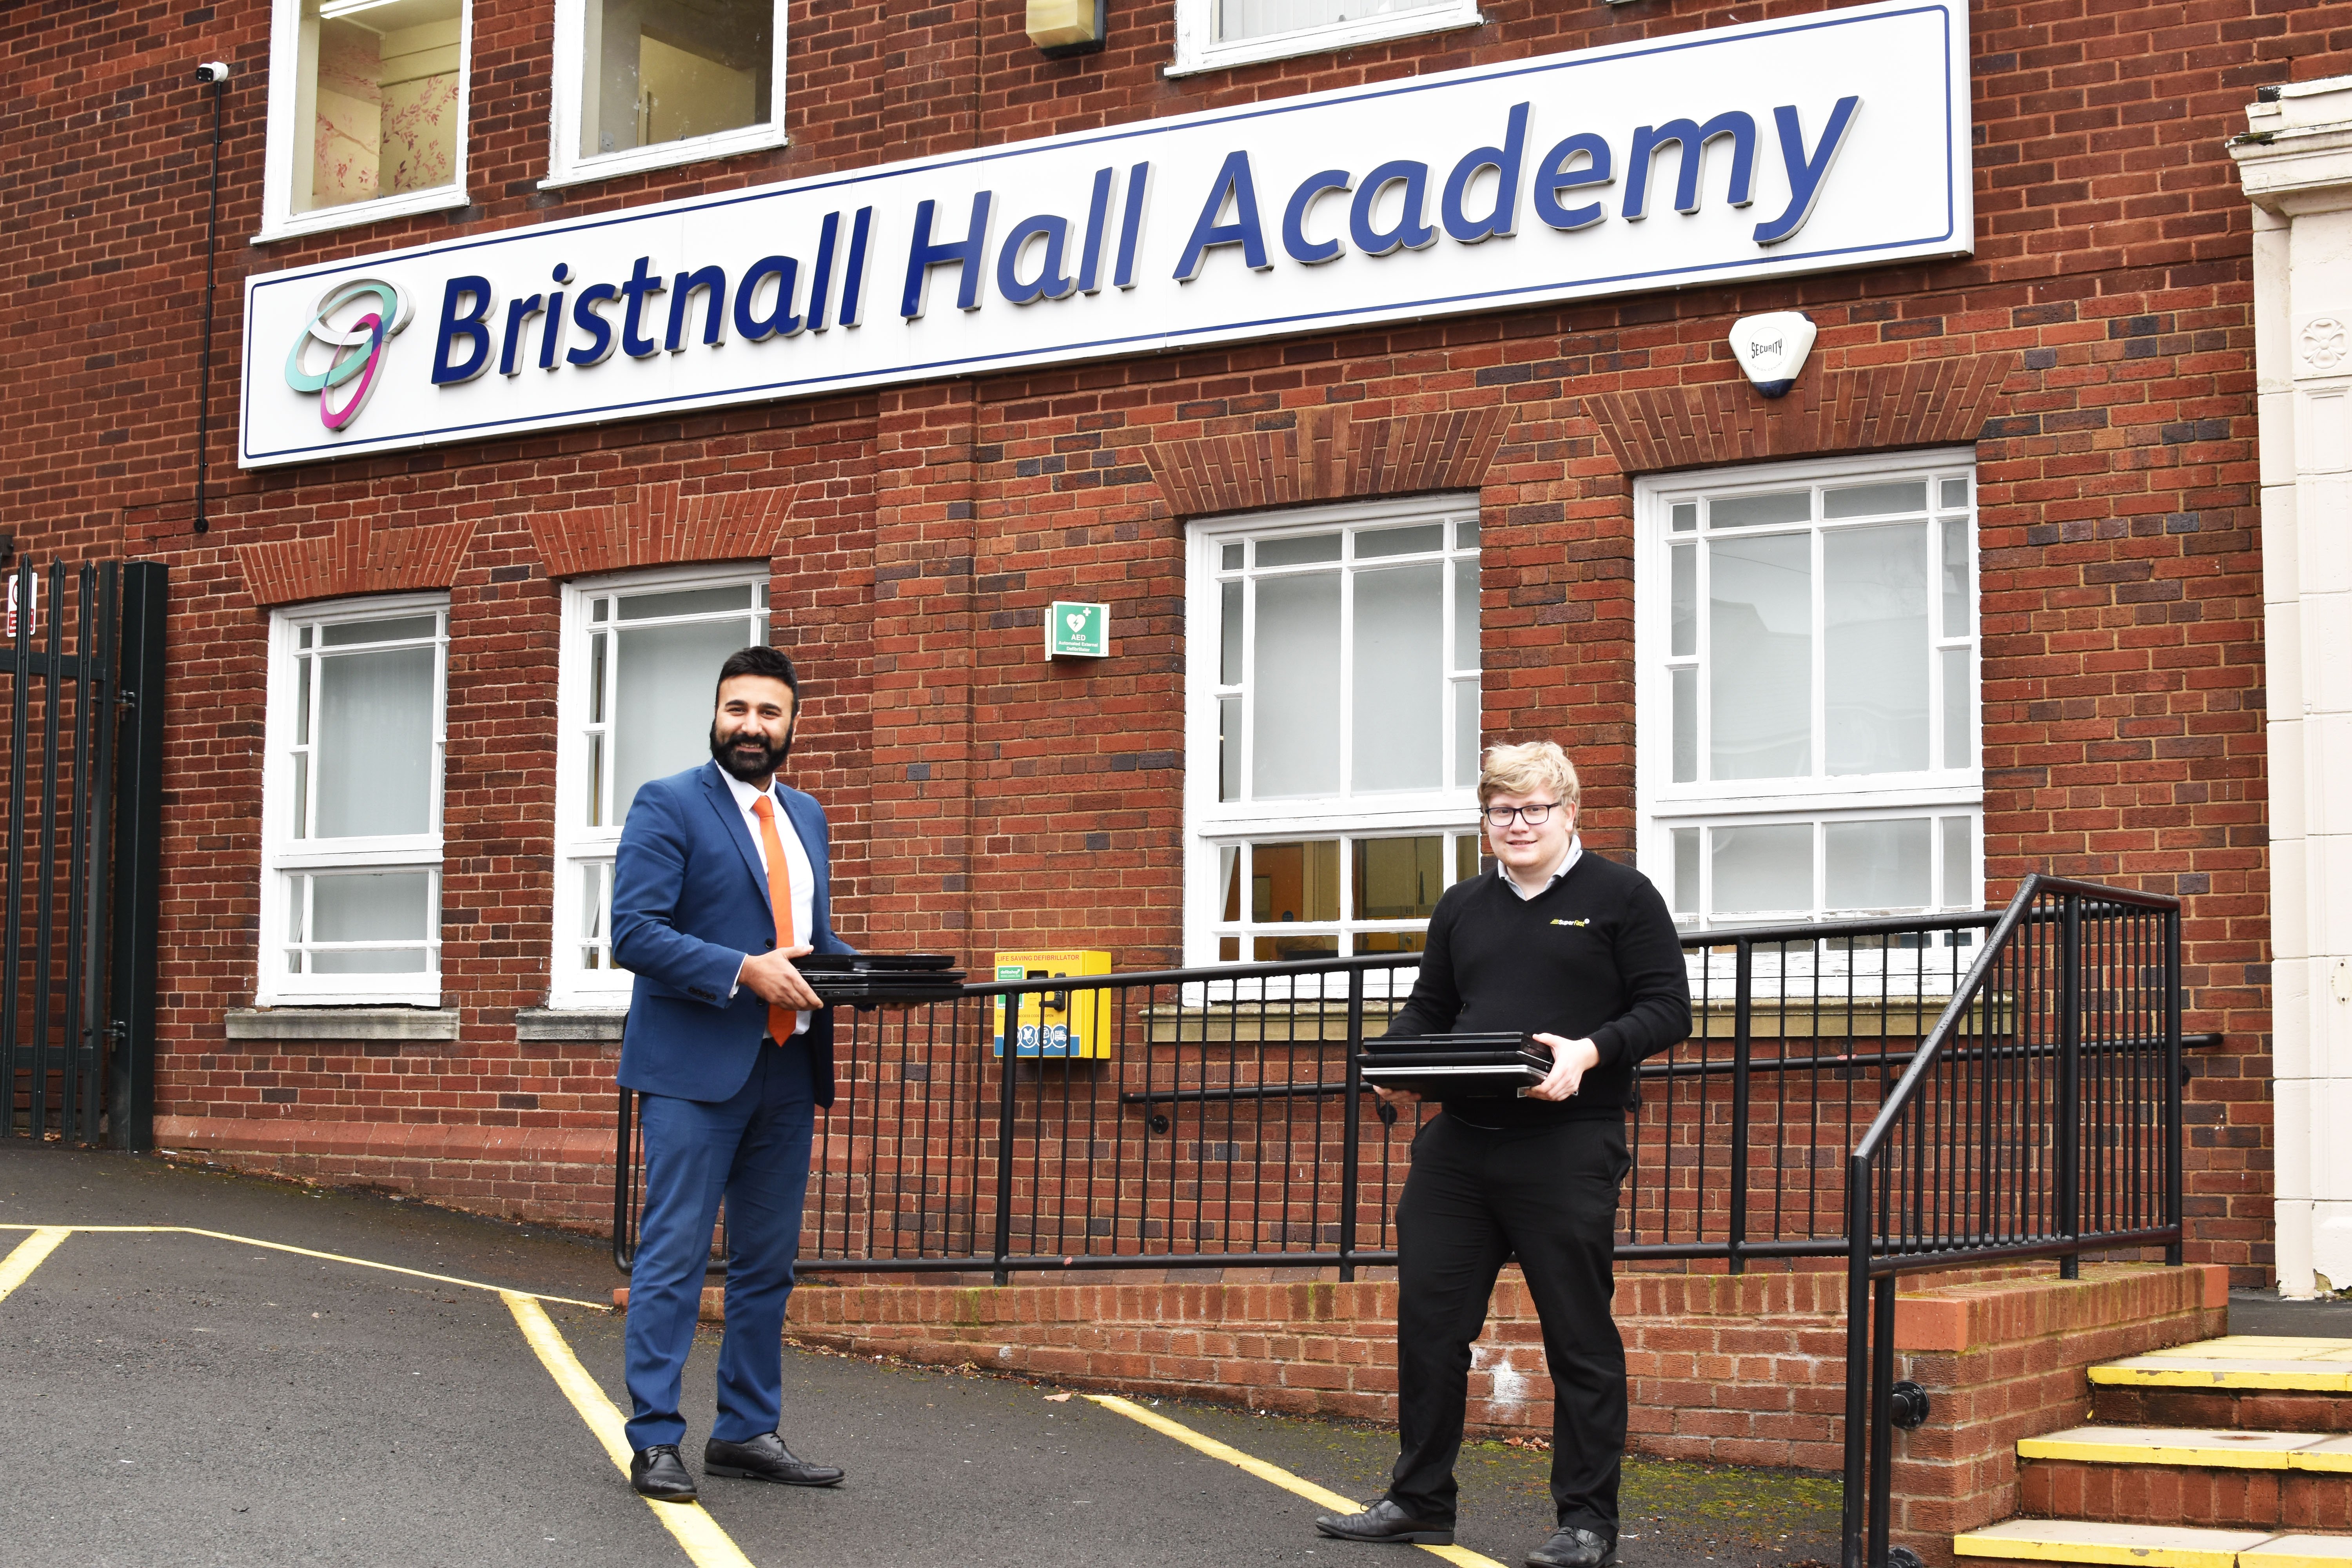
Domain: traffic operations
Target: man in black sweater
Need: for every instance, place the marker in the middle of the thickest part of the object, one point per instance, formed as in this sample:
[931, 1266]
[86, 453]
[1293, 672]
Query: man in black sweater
[1581, 954]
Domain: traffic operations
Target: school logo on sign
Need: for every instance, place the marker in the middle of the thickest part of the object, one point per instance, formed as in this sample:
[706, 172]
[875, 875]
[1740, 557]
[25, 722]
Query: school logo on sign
[351, 326]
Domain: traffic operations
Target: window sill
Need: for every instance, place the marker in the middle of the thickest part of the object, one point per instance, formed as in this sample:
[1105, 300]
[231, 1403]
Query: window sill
[1322, 41]
[666, 155]
[441, 198]
[552, 1025]
[342, 1024]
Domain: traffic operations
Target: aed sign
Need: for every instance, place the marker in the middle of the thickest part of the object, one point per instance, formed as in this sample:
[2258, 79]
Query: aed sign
[1078, 631]
[1834, 140]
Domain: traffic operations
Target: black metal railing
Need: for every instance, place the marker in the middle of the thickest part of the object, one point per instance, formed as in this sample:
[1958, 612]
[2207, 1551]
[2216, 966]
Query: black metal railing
[81, 658]
[1219, 1120]
[2040, 1118]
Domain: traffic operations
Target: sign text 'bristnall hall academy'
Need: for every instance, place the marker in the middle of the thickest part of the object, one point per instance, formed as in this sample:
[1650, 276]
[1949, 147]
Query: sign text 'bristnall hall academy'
[1835, 140]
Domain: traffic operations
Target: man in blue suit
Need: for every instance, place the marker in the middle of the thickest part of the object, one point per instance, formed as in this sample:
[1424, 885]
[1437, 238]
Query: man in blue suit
[720, 881]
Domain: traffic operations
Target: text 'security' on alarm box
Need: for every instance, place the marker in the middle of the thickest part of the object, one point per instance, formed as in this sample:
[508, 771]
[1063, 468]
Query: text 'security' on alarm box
[1066, 1023]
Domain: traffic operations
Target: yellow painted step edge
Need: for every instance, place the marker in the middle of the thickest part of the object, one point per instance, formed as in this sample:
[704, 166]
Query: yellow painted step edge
[2315, 1380]
[2096, 1453]
[2059, 1549]
[2283, 1552]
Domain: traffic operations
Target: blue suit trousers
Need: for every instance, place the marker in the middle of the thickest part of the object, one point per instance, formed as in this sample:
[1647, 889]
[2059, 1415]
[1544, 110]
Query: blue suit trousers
[753, 1150]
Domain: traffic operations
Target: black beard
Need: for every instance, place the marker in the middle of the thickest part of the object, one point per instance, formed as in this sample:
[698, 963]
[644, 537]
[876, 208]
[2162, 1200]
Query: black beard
[723, 753]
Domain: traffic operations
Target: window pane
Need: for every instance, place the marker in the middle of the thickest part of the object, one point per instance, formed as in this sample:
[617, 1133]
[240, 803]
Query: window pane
[385, 906]
[1228, 748]
[1261, 18]
[1466, 536]
[1399, 673]
[1959, 863]
[1468, 696]
[1295, 726]
[1398, 878]
[595, 803]
[663, 70]
[1682, 601]
[1229, 558]
[1875, 672]
[1295, 882]
[1229, 635]
[1957, 594]
[1686, 517]
[399, 628]
[1748, 512]
[687, 602]
[375, 743]
[1686, 870]
[382, 88]
[596, 644]
[1229, 876]
[302, 702]
[1760, 658]
[1366, 941]
[1764, 868]
[1959, 710]
[1465, 856]
[1301, 550]
[1465, 615]
[1878, 864]
[1955, 493]
[1686, 725]
[1413, 541]
[662, 701]
[1875, 501]
[1292, 949]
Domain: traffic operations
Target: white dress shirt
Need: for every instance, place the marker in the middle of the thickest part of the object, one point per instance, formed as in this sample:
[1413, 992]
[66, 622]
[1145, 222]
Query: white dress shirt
[796, 863]
[1567, 863]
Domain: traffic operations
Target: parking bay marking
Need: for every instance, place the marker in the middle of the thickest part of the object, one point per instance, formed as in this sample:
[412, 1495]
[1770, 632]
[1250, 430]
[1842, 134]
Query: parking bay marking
[62, 1231]
[1461, 1556]
[27, 1254]
[696, 1531]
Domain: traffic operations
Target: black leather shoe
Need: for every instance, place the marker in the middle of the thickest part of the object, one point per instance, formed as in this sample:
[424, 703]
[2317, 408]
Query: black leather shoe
[765, 1458]
[1384, 1520]
[1572, 1546]
[658, 1473]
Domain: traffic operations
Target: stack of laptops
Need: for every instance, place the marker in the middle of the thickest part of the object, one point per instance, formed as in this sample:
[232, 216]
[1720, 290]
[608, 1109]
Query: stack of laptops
[1456, 1066]
[867, 979]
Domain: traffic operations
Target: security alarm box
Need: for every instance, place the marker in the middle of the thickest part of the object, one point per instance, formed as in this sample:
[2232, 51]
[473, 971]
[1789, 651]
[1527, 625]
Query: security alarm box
[1065, 1023]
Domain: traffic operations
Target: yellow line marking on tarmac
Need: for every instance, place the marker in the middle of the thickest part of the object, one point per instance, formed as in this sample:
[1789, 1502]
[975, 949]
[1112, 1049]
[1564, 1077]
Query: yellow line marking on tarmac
[62, 1231]
[696, 1531]
[28, 1254]
[1274, 1474]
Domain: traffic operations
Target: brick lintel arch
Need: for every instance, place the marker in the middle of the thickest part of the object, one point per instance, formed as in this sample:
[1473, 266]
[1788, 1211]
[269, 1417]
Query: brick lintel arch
[1928, 403]
[1326, 454]
[353, 560]
[658, 526]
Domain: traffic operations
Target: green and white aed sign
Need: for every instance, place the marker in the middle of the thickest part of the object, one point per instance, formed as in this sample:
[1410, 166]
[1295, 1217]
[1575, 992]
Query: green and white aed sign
[1078, 631]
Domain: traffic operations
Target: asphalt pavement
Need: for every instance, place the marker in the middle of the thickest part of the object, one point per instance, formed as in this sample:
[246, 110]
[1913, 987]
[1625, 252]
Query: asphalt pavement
[186, 1399]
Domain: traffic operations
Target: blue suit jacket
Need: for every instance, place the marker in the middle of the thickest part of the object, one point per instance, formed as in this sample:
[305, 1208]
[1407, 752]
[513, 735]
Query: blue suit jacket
[690, 899]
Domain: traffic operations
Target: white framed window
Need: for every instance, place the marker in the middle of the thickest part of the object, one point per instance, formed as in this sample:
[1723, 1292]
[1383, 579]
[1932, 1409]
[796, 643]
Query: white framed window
[1331, 726]
[646, 84]
[1807, 689]
[350, 804]
[637, 667]
[367, 112]
[1213, 33]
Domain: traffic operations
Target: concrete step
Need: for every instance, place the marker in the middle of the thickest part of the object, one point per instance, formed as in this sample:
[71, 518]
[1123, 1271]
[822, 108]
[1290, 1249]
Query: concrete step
[2151, 1545]
[2122, 1475]
[2203, 1448]
[2243, 1381]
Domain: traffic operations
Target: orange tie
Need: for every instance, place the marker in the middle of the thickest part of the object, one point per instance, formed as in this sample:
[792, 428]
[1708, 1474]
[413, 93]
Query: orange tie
[781, 1020]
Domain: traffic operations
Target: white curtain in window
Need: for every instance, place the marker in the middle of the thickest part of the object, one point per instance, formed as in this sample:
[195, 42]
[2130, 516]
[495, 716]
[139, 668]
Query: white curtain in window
[1875, 639]
[1400, 698]
[1294, 731]
[1260, 18]
[1879, 865]
[1760, 663]
[663, 701]
[387, 906]
[375, 743]
[1763, 868]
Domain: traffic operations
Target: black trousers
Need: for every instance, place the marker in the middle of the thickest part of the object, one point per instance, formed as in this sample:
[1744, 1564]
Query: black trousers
[1476, 1198]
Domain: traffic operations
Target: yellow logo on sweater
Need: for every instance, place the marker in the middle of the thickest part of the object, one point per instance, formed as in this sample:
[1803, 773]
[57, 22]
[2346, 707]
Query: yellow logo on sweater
[1571, 922]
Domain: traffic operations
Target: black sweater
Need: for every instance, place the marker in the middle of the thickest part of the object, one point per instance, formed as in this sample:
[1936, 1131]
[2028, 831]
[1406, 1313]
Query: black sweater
[1594, 956]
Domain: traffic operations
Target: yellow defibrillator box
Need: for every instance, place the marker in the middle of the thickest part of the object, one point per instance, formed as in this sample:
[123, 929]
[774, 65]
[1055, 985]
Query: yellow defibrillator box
[1065, 1023]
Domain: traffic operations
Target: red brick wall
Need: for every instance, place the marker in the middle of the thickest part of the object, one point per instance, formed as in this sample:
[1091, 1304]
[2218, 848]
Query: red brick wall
[983, 796]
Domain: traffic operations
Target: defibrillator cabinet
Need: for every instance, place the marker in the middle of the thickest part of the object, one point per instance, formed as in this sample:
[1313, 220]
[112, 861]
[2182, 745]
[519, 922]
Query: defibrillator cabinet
[1047, 1023]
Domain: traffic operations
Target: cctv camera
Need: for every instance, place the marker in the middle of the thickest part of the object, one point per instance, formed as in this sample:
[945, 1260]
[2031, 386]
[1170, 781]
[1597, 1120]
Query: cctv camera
[215, 71]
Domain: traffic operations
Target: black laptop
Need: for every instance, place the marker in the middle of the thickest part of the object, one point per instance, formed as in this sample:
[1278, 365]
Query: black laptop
[1452, 1066]
[865, 979]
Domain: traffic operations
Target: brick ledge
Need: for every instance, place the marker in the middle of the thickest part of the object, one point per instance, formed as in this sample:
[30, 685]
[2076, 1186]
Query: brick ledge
[387, 1140]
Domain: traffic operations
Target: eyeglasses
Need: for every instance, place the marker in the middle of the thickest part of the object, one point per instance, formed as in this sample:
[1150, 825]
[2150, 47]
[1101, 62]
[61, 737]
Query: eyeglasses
[1533, 814]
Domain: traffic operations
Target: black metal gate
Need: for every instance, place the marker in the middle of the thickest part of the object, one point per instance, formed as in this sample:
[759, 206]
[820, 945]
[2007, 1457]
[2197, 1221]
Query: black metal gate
[81, 731]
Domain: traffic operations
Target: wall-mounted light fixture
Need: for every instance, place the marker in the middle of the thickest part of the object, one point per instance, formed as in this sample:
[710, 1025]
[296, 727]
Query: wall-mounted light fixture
[1061, 28]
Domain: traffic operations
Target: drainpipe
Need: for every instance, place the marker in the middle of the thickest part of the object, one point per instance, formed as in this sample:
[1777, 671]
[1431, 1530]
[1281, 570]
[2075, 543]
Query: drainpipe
[213, 73]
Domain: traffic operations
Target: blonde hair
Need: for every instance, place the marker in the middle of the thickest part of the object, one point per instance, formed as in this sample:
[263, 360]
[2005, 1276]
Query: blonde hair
[1533, 767]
